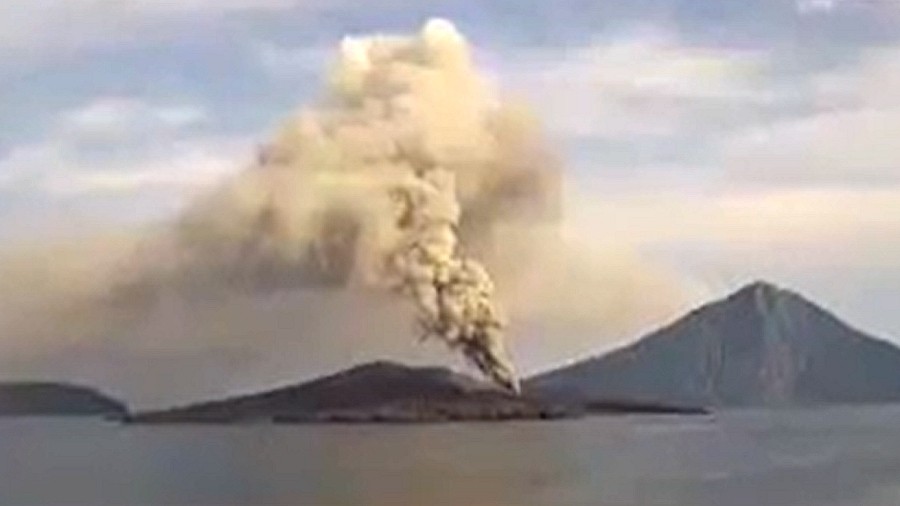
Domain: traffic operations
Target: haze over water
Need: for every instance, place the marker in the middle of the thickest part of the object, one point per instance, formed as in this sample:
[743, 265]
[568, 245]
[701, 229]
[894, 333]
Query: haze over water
[845, 456]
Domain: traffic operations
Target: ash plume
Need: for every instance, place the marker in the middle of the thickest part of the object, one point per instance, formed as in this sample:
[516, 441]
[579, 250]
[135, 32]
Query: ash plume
[454, 294]
[392, 182]
[410, 194]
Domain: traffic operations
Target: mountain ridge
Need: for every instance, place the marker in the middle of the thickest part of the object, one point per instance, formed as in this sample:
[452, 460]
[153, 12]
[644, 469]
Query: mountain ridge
[44, 398]
[760, 345]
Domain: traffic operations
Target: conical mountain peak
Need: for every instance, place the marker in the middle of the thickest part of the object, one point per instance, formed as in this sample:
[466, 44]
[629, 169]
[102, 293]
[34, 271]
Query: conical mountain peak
[761, 345]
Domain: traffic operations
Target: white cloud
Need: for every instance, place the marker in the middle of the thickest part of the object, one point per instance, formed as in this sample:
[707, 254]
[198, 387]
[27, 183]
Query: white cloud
[642, 85]
[872, 81]
[800, 227]
[839, 148]
[205, 5]
[24, 164]
[660, 68]
[814, 6]
[28, 27]
[118, 116]
[198, 165]
[121, 145]
[292, 62]
[851, 138]
[56, 167]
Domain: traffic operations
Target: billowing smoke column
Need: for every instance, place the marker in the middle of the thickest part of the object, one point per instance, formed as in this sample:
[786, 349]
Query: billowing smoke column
[396, 181]
[453, 294]
[405, 172]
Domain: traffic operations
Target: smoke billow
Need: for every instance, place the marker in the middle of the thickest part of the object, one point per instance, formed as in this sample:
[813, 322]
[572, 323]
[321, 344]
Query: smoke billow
[392, 182]
[384, 206]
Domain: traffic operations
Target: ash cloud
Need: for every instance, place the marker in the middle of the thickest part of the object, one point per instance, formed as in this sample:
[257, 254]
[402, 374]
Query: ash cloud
[409, 199]
[408, 163]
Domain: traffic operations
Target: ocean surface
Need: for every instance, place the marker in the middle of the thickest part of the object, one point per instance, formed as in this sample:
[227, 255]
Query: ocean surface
[835, 456]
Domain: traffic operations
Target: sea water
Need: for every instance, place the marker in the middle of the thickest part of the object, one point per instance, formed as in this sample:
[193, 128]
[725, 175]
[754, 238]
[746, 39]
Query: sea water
[823, 457]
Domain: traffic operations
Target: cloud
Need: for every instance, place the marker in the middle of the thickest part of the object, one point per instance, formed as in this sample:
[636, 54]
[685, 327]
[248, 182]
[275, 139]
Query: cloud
[194, 168]
[849, 137]
[873, 80]
[112, 116]
[650, 84]
[839, 148]
[124, 144]
[815, 6]
[833, 7]
[292, 62]
[28, 27]
[826, 226]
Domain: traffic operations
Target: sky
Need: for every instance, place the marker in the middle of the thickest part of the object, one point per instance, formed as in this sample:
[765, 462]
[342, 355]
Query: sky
[724, 141]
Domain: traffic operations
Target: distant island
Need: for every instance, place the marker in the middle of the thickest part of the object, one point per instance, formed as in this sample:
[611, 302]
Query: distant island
[760, 346]
[387, 392]
[56, 399]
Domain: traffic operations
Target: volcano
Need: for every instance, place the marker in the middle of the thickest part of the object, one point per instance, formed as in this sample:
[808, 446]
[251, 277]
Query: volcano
[379, 391]
[760, 346]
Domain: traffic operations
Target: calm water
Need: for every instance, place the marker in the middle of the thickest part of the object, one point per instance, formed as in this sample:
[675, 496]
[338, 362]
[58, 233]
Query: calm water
[847, 456]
